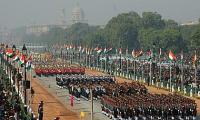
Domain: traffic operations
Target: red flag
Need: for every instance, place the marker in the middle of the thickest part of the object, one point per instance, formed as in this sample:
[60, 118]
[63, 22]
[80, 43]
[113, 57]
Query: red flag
[172, 56]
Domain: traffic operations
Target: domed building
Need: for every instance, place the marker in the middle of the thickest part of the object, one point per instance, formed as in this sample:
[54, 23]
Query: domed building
[78, 15]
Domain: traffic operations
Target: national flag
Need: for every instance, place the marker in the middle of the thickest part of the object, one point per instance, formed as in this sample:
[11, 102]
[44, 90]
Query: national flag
[133, 53]
[79, 49]
[181, 55]
[16, 57]
[96, 48]
[172, 56]
[99, 50]
[194, 59]
[109, 49]
[120, 51]
[29, 63]
[83, 50]
[22, 59]
[126, 51]
[70, 47]
[105, 50]
[9, 52]
[136, 54]
[160, 52]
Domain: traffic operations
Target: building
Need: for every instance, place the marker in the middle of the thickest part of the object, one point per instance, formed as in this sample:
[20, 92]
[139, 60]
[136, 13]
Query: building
[78, 15]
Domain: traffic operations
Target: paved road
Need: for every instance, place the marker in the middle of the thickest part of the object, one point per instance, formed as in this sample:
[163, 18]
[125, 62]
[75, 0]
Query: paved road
[49, 83]
[79, 106]
[52, 107]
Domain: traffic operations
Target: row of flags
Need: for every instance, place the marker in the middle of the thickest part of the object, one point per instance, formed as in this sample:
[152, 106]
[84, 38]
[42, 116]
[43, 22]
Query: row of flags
[20, 58]
[134, 53]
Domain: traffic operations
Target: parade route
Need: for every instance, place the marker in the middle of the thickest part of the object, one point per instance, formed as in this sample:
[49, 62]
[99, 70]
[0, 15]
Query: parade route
[52, 107]
[57, 103]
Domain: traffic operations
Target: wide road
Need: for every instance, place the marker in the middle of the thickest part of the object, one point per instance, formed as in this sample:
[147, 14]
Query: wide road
[52, 107]
[55, 99]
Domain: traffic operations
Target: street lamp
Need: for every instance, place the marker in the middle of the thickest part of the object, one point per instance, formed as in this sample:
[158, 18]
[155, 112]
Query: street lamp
[13, 67]
[24, 53]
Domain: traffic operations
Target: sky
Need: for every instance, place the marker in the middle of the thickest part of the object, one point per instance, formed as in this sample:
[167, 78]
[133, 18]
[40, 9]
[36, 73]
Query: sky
[16, 13]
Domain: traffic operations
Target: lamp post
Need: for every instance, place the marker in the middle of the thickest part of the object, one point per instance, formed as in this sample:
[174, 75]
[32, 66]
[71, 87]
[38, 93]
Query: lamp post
[7, 60]
[11, 67]
[24, 52]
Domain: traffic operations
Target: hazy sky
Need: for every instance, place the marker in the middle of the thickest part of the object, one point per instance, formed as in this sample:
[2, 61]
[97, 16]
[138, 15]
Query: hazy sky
[15, 13]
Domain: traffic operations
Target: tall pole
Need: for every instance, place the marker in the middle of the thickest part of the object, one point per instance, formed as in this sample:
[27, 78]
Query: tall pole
[121, 67]
[25, 83]
[182, 71]
[91, 103]
[105, 62]
[150, 72]
[134, 68]
[170, 76]
[101, 62]
[97, 61]
[195, 76]
[195, 79]
[160, 66]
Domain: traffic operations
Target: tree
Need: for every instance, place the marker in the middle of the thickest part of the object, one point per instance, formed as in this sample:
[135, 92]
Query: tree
[152, 20]
[195, 39]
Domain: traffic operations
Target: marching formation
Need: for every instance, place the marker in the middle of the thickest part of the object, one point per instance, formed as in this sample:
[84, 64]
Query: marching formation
[47, 68]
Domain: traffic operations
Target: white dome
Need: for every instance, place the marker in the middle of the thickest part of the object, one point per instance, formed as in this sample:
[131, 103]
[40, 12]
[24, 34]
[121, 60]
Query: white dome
[77, 15]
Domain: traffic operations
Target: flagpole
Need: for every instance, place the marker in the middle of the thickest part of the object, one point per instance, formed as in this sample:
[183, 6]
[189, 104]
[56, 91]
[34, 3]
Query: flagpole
[121, 63]
[97, 61]
[105, 62]
[101, 62]
[134, 68]
[195, 76]
[127, 72]
[86, 58]
[160, 66]
[182, 71]
[170, 79]
[195, 79]
[150, 72]
[89, 58]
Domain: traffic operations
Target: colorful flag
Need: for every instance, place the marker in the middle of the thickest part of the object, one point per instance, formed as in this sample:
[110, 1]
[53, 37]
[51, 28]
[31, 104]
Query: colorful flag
[16, 56]
[29, 63]
[96, 48]
[83, 50]
[120, 51]
[194, 59]
[160, 52]
[109, 49]
[9, 52]
[181, 55]
[105, 50]
[79, 49]
[172, 56]
[99, 50]
[133, 53]
[126, 51]
[22, 59]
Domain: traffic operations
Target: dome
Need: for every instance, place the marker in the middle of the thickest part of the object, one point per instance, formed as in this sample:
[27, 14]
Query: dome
[77, 15]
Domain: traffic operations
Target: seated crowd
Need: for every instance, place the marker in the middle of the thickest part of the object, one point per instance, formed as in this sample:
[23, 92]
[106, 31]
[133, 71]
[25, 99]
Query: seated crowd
[9, 105]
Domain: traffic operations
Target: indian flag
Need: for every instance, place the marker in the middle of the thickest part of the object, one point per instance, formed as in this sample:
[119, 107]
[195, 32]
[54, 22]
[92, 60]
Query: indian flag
[105, 50]
[120, 51]
[9, 52]
[22, 59]
[172, 56]
[16, 57]
[99, 50]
